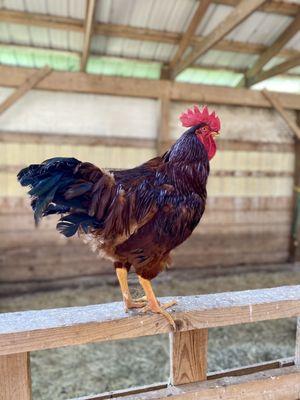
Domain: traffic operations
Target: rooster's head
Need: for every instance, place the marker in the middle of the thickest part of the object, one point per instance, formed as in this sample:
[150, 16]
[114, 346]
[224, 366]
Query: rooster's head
[207, 127]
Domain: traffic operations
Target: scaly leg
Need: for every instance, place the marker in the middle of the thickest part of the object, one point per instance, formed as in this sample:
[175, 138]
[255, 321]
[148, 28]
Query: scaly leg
[122, 275]
[153, 304]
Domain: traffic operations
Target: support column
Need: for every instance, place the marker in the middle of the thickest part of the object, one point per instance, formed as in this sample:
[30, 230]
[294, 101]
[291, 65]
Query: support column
[295, 234]
[164, 127]
[15, 380]
[188, 354]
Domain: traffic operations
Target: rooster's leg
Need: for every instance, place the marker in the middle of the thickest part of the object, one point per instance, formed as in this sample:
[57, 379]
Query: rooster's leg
[153, 304]
[122, 275]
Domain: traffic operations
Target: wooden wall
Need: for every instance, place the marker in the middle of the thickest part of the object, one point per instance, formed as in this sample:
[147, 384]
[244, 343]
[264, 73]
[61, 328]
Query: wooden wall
[250, 189]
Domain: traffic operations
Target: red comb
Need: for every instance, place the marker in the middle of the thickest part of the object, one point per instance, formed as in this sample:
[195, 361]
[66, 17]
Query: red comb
[195, 117]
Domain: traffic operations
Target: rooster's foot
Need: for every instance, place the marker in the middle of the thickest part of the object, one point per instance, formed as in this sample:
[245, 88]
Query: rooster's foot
[141, 300]
[161, 309]
[130, 304]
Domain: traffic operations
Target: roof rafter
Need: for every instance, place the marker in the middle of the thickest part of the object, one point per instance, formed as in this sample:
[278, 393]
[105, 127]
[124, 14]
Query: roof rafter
[129, 32]
[270, 52]
[238, 15]
[186, 38]
[275, 102]
[277, 70]
[29, 83]
[280, 7]
[88, 31]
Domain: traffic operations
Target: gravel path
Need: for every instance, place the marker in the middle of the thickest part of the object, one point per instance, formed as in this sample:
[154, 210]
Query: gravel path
[77, 371]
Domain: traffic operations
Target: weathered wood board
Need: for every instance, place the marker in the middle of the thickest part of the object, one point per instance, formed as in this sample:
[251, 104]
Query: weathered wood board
[44, 329]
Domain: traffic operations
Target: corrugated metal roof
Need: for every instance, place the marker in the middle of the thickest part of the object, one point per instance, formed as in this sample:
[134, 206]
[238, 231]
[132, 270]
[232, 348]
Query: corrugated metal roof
[65, 8]
[163, 15]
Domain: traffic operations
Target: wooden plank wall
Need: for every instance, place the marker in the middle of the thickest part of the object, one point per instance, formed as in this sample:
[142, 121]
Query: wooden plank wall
[250, 189]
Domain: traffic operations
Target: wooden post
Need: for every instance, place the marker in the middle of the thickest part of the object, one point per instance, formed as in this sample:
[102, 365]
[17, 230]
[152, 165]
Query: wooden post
[29, 83]
[15, 381]
[297, 353]
[164, 128]
[295, 234]
[188, 352]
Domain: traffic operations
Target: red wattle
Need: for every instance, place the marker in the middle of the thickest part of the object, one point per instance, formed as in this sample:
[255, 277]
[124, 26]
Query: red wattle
[209, 144]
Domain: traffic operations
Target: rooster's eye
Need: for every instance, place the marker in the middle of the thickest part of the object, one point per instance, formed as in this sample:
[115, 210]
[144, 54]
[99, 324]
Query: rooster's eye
[204, 129]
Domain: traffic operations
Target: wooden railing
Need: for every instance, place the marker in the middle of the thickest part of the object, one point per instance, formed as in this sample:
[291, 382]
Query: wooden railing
[23, 332]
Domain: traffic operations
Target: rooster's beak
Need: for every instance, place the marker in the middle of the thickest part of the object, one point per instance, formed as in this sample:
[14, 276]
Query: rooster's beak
[214, 134]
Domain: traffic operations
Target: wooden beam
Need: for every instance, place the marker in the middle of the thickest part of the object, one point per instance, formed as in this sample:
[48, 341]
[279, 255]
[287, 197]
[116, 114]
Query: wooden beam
[278, 384]
[271, 52]
[144, 88]
[277, 70]
[185, 40]
[130, 32]
[188, 356]
[238, 15]
[251, 369]
[42, 20]
[28, 84]
[294, 248]
[94, 140]
[280, 7]
[279, 108]
[45, 329]
[163, 136]
[297, 352]
[75, 139]
[15, 381]
[88, 31]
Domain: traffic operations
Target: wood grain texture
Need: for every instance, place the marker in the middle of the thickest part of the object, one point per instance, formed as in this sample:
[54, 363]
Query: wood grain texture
[242, 10]
[185, 40]
[275, 102]
[251, 369]
[75, 139]
[137, 142]
[20, 205]
[45, 255]
[28, 84]
[15, 381]
[188, 356]
[45, 329]
[278, 384]
[139, 33]
[88, 83]
[297, 352]
[164, 127]
[281, 7]
[88, 31]
[277, 70]
[273, 50]
[294, 253]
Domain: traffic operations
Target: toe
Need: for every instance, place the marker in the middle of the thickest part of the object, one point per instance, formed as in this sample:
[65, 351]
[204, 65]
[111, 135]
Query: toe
[141, 299]
[168, 305]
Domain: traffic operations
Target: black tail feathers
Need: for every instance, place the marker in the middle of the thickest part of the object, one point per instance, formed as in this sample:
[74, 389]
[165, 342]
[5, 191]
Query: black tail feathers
[52, 191]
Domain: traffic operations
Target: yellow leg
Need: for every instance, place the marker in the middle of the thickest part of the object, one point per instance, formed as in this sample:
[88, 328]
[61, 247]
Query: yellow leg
[153, 304]
[122, 275]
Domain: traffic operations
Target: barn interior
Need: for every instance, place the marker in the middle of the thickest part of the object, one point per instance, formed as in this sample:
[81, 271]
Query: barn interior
[105, 81]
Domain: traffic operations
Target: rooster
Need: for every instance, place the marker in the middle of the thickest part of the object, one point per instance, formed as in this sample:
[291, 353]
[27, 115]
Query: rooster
[132, 217]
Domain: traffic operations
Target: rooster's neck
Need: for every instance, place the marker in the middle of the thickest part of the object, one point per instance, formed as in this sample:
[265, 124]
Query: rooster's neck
[187, 149]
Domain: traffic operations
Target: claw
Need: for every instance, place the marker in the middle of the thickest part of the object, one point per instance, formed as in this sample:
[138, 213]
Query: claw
[129, 304]
[141, 299]
[160, 309]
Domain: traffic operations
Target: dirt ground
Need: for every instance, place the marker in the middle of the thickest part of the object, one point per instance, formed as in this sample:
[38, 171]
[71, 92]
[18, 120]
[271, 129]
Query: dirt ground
[89, 369]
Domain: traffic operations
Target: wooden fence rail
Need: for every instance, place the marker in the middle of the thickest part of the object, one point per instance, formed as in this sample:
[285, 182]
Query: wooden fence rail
[23, 332]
